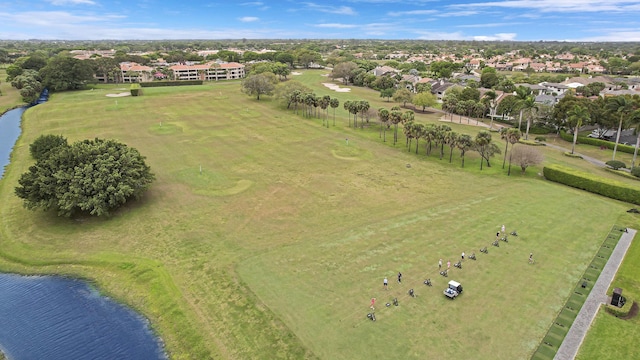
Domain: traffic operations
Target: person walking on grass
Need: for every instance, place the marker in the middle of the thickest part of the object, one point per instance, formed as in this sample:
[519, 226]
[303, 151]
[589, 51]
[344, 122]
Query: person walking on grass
[439, 264]
[463, 255]
[399, 277]
[373, 302]
[503, 230]
[531, 258]
[448, 264]
[385, 282]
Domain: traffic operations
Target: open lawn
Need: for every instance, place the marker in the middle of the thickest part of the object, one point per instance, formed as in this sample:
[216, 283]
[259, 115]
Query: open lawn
[10, 97]
[277, 247]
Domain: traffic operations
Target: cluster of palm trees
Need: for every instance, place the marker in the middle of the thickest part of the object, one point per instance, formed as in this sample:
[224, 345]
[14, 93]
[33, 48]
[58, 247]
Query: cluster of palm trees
[309, 104]
[357, 107]
[440, 136]
[526, 104]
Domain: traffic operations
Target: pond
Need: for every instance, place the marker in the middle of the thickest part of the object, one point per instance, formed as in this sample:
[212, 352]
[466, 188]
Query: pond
[52, 317]
[9, 132]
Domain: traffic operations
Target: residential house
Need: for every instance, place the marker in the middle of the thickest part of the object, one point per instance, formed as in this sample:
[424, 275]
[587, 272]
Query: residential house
[385, 70]
[439, 88]
[536, 90]
[555, 88]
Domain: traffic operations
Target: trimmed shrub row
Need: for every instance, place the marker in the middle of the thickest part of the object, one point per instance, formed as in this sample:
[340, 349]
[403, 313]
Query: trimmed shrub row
[171, 83]
[597, 142]
[585, 181]
[620, 312]
[136, 90]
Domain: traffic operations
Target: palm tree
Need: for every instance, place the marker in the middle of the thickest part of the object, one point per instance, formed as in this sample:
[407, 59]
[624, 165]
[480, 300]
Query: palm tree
[464, 143]
[482, 141]
[347, 105]
[452, 141]
[577, 116]
[522, 93]
[623, 106]
[511, 136]
[334, 103]
[408, 134]
[442, 135]
[429, 135]
[383, 116]
[324, 105]
[418, 133]
[528, 105]
[490, 97]
[364, 110]
[396, 118]
[635, 120]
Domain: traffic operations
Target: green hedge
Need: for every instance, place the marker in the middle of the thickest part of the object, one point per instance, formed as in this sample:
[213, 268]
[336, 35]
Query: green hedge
[597, 142]
[623, 173]
[136, 90]
[171, 83]
[585, 181]
[620, 312]
[531, 142]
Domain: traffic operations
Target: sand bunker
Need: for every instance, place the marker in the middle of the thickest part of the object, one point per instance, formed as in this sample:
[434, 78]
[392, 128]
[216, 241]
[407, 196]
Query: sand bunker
[335, 87]
[120, 94]
[296, 73]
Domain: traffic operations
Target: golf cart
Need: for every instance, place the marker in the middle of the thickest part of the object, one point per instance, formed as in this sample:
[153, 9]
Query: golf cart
[453, 290]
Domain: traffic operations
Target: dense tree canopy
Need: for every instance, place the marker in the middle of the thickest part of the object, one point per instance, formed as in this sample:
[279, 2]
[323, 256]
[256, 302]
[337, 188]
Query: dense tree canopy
[90, 176]
[259, 84]
[66, 73]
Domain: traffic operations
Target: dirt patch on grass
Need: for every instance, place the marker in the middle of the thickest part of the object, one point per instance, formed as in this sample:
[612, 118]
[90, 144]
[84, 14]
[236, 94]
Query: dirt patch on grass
[632, 313]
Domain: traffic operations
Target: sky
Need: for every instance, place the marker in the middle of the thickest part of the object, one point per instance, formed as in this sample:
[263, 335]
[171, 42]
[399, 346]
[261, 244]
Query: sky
[519, 20]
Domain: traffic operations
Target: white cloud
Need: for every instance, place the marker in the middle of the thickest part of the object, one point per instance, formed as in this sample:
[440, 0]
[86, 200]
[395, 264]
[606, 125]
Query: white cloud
[500, 24]
[71, 2]
[458, 13]
[439, 35]
[252, 3]
[248, 19]
[412, 12]
[340, 10]
[496, 37]
[336, 26]
[53, 18]
[579, 6]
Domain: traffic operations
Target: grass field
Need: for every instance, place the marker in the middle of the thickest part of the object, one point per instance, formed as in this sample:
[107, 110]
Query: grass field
[10, 97]
[276, 249]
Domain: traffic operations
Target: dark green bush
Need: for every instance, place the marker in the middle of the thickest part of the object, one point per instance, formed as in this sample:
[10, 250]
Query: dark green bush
[136, 90]
[585, 181]
[41, 146]
[541, 138]
[171, 83]
[620, 312]
[616, 164]
[636, 171]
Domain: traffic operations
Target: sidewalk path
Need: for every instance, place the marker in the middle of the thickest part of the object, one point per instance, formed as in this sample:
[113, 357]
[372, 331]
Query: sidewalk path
[598, 295]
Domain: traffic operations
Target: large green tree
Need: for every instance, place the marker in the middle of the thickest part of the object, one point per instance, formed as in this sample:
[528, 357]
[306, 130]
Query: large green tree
[259, 84]
[66, 73]
[91, 176]
[424, 100]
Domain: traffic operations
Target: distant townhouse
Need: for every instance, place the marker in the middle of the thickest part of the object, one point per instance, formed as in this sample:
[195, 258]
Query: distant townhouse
[131, 72]
[535, 89]
[211, 71]
[555, 88]
[384, 70]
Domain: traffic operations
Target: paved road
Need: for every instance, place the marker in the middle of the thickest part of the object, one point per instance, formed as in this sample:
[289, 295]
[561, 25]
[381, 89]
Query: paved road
[571, 344]
[594, 161]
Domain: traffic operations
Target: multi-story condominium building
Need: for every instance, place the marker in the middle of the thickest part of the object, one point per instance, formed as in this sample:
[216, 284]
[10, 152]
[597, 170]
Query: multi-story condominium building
[211, 71]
